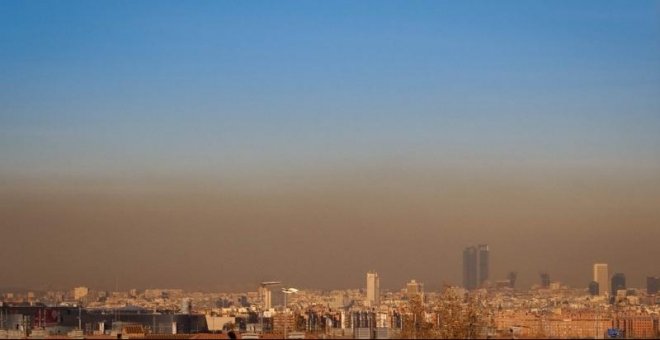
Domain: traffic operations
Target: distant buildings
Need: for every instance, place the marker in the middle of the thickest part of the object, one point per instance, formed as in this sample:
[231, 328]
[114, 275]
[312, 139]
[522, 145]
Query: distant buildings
[652, 284]
[636, 325]
[476, 266]
[283, 322]
[593, 288]
[601, 276]
[80, 292]
[470, 268]
[520, 323]
[557, 312]
[373, 289]
[267, 298]
[511, 277]
[484, 263]
[545, 280]
[415, 288]
[266, 295]
[618, 283]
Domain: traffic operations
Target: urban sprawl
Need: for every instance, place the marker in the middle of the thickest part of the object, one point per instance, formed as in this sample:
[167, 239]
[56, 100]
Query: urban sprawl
[480, 308]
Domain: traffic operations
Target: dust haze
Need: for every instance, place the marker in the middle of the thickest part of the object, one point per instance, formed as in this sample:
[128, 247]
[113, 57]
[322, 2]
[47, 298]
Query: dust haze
[326, 229]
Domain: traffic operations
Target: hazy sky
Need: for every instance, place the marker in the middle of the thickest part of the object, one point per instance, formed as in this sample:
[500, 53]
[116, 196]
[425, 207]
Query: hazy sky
[211, 145]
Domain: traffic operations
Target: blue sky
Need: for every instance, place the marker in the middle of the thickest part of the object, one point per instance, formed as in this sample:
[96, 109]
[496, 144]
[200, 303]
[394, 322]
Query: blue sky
[111, 88]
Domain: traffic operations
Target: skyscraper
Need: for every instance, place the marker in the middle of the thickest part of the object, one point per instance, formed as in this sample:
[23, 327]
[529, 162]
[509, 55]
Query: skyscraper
[545, 280]
[484, 263]
[593, 288]
[512, 279]
[373, 289]
[601, 276]
[470, 268]
[652, 284]
[476, 266]
[618, 282]
[268, 299]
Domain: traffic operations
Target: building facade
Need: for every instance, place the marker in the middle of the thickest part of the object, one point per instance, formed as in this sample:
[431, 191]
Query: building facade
[470, 268]
[652, 284]
[79, 293]
[415, 288]
[476, 266]
[618, 283]
[484, 263]
[601, 276]
[373, 289]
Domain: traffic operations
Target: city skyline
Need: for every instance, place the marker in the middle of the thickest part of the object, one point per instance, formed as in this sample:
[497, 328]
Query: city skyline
[373, 290]
[498, 312]
[216, 145]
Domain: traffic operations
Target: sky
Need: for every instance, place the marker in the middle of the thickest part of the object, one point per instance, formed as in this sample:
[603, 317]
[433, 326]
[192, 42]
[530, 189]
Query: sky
[213, 145]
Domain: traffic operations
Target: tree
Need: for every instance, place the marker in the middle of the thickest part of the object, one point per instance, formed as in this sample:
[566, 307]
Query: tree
[414, 321]
[462, 317]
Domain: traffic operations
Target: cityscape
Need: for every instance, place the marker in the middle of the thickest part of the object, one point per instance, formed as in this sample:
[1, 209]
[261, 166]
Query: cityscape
[428, 169]
[480, 308]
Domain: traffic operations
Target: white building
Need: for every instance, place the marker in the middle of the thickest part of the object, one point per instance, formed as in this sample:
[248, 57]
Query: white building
[601, 276]
[373, 289]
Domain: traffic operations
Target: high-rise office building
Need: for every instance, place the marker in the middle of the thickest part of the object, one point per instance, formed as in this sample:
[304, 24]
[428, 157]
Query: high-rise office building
[476, 266]
[266, 296]
[593, 288]
[545, 280]
[601, 276]
[484, 263]
[373, 289]
[268, 299]
[652, 284]
[470, 268]
[512, 276]
[618, 283]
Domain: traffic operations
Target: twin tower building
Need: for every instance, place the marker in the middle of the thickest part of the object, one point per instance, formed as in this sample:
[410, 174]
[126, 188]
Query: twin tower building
[476, 266]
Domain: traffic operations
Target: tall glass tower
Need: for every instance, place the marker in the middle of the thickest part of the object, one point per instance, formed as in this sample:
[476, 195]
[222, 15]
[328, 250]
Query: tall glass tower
[470, 268]
[476, 266]
[484, 263]
[618, 282]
